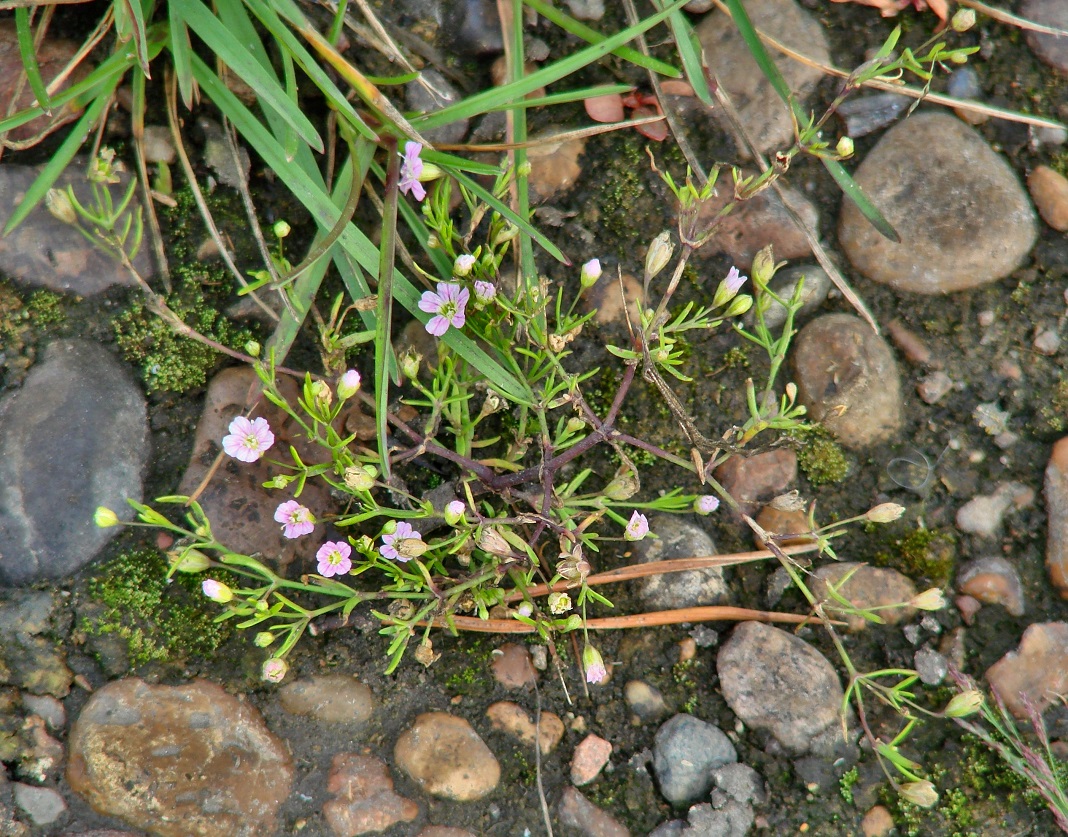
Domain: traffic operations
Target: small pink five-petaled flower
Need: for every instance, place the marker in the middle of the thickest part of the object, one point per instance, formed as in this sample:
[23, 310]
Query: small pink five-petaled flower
[448, 305]
[637, 527]
[403, 532]
[248, 440]
[410, 170]
[333, 558]
[296, 520]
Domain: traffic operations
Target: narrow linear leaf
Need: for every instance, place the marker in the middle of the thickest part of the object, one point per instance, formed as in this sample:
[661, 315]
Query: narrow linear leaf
[29, 57]
[851, 189]
[180, 51]
[130, 26]
[690, 54]
[567, 96]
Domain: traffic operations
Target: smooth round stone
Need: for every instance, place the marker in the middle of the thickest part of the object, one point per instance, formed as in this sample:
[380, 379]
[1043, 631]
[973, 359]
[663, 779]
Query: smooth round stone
[332, 698]
[689, 588]
[963, 217]
[685, 752]
[1049, 189]
[866, 587]
[762, 113]
[447, 758]
[841, 363]
[74, 437]
[1050, 48]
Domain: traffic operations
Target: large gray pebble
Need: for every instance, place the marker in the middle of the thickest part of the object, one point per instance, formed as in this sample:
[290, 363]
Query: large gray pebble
[686, 751]
[678, 538]
[74, 437]
[963, 217]
[1050, 48]
[847, 379]
[774, 680]
[762, 113]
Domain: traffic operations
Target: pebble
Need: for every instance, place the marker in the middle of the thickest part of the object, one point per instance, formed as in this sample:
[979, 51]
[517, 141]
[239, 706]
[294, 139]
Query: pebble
[863, 115]
[590, 758]
[762, 113]
[159, 147]
[934, 387]
[472, 27]
[937, 181]
[931, 666]
[431, 93]
[753, 480]
[1047, 342]
[364, 800]
[332, 699]
[678, 538]
[235, 500]
[813, 293]
[554, 167]
[774, 680]
[52, 56]
[1049, 191]
[1037, 669]
[586, 9]
[29, 659]
[992, 580]
[46, 707]
[513, 719]
[42, 805]
[444, 831]
[1057, 516]
[756, 223]
[685, 752]
[74, 437]
[793, 523]
[512, 667]
[609, 301]
[177, 760]
[447, 758]
[841, 363]
[41, 754]
[867, 587]
[1050, 48]
[576, 811]
[984, 515]
[645, 701]
[878, 822]
[219, 157]
[911, 345]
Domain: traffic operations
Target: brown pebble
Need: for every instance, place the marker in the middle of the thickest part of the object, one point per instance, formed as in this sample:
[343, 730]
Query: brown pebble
[993, 580]
[1037, 669]
[687, 649]
[910, 343]
[782, 522]
[1049, 190]
[512, 667]
[591, 755]
[968, 607]
[1057, 511]
[878, 822]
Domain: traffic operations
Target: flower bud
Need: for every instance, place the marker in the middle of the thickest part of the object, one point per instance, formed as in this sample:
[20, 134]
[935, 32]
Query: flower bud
[962, 20]
[454, 512]
[958, 58]
[637, 527]
[484, 292]
[409, 548]
[188, 561]
[274, 670]
[590, 273]
[594, 664]
[263, 639]
[278, 481]
[932, 599]
[359, 478]
[706, 504]
[622, 487]
[463, 265]
[348, 385]
[505, 235]
[965, 704]
[524, 609]
[572, 623]
[659, 255]
[320, 391]
[217, 591]
[429, 172]
[59, 204]
[252, 348]
[432, 241]
[574, 425]
[281, 229]
[739, 305]
[844, 147]
[105, 518]
[919, 793]
[729, 287]
[424, 653]
[524, 169]
[885, 513]
[493, 542]
[409, 363]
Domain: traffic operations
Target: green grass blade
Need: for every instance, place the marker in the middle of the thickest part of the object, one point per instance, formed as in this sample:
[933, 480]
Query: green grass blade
[844, 180]
[60, 159]
[233, 53]
[478, 103]
[29, 57]
[592, 36]
[689, 48]
[180, 52]
[304, 187]
[130, 26]
[528, 272]
[384, 315]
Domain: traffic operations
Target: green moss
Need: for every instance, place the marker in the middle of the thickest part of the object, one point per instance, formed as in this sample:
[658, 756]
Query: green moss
[928, 554]
[159, 621]
[736, 358]
[846, 783]
[1053, 410]
[46, 308]
[621, 196]
[685, 674]
[821, 458]
[168, 361]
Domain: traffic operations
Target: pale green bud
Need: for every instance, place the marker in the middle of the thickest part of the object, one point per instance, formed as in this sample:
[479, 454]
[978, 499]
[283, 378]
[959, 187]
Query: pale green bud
[59, 204]
[263, 639]
[409, 363]
[963, 20]
[739, 305]
[884, 513]
[590, 273]
[844, 147]
[919, 793]
[764, 266]
[933, 599]
[281, 229]
[358, 478]
[274, 670]
[659, 255]
[252, 348]
[965, 704]
[575, 424]
[506, 234]
[105, 518]
[188, 561]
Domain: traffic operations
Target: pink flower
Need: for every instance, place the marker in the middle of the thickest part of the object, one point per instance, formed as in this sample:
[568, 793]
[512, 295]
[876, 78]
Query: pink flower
[637, 527]
[296, 519]
[274, 670]
[706, 504]
[594, 665]
[485, 291]
[411, 168]
[333, 558]
[734, 280]
[216, 591]
[348, 384]
[448, 305]
[590, 273]
[403, 532]
[248, 440]
[463, 265]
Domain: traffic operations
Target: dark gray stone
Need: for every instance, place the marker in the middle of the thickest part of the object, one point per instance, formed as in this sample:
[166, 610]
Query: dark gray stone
[28, 660]
[686, 751]
[431, 93]
[691, 588]
[1052, 49]
[74, 437]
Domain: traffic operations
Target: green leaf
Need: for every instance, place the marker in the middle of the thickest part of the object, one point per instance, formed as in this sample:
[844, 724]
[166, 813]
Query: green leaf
[690, 53]
[180, 52]
[241, 62]
[851, 189]
[130, 26]
[29, 57]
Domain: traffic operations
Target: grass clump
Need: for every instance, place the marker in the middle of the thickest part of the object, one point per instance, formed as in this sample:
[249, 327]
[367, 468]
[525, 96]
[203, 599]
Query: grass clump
[159, 621]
